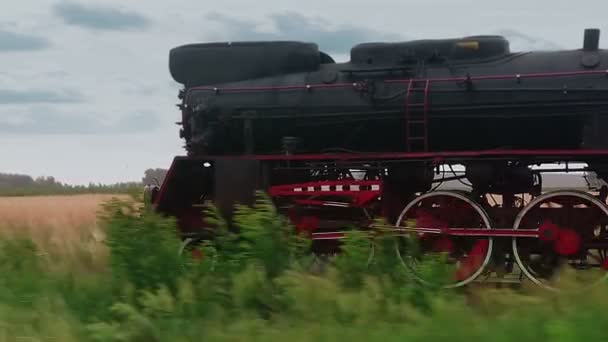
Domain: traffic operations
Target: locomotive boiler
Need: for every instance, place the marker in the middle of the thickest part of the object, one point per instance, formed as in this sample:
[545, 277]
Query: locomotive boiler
[470, 93]
[337, 145]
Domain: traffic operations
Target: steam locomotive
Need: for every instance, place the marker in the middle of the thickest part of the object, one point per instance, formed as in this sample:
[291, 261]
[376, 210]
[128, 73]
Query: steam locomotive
[338, 144]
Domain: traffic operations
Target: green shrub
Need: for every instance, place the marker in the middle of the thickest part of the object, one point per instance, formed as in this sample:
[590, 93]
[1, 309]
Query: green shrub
[143, 247]
[259, 234]
[23, 280]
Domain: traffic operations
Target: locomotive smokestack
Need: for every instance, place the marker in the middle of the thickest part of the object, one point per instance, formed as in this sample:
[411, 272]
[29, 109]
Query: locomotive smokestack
[591, 40]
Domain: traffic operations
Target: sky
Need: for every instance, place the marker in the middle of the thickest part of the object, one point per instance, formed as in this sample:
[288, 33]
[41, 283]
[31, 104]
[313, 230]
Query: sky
[86, 94]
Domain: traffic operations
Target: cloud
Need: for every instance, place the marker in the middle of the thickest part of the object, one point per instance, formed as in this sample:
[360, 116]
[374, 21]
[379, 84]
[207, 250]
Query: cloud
[330, 38]
[38, 96]
[13, 41]
[51, 120]
[47, 121]
[522, 42]
[294, 26]
[100, 18]
[8, 96]
[136, 122]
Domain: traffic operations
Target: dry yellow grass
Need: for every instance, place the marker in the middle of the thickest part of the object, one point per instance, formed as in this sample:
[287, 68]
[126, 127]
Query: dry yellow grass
[62, 215]
[65, 224]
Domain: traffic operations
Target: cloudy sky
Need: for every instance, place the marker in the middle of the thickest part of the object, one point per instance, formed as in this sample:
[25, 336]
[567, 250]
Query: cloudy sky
[85, 91]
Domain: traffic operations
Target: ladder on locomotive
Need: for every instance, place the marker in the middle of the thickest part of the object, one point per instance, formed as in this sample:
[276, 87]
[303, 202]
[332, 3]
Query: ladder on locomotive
[416, 116]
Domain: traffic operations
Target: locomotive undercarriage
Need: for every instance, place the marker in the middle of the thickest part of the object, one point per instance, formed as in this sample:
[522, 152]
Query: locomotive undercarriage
[488, 215]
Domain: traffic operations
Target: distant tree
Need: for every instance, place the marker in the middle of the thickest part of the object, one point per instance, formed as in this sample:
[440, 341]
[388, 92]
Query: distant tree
[151, 174]
[15, 180]
[22, 185]
[49, 181]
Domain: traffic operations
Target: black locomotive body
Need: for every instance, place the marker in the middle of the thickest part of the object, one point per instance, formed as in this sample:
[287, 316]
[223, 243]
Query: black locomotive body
[471, 93]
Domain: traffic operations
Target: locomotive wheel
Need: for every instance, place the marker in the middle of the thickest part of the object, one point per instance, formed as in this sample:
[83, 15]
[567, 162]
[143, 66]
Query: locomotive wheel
[188, 246]
[574, 232]
[324, 251]
[189, 249]
[466, 256]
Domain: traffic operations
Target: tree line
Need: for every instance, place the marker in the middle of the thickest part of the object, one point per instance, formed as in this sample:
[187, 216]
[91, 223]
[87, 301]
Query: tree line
[26, 185]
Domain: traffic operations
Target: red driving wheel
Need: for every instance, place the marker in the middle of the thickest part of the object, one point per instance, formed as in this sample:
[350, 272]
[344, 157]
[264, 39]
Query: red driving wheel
[466, 256]
[573, 232]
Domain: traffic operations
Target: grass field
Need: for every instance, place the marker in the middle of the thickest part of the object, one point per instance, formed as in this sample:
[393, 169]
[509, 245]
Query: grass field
[64, 216]
[64, 226]
[120, 279]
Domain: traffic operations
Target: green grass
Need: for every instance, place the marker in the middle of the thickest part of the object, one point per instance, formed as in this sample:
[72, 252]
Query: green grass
[255, 286]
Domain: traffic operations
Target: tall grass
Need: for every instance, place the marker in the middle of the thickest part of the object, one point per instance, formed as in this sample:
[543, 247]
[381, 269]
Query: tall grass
[256, 285]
